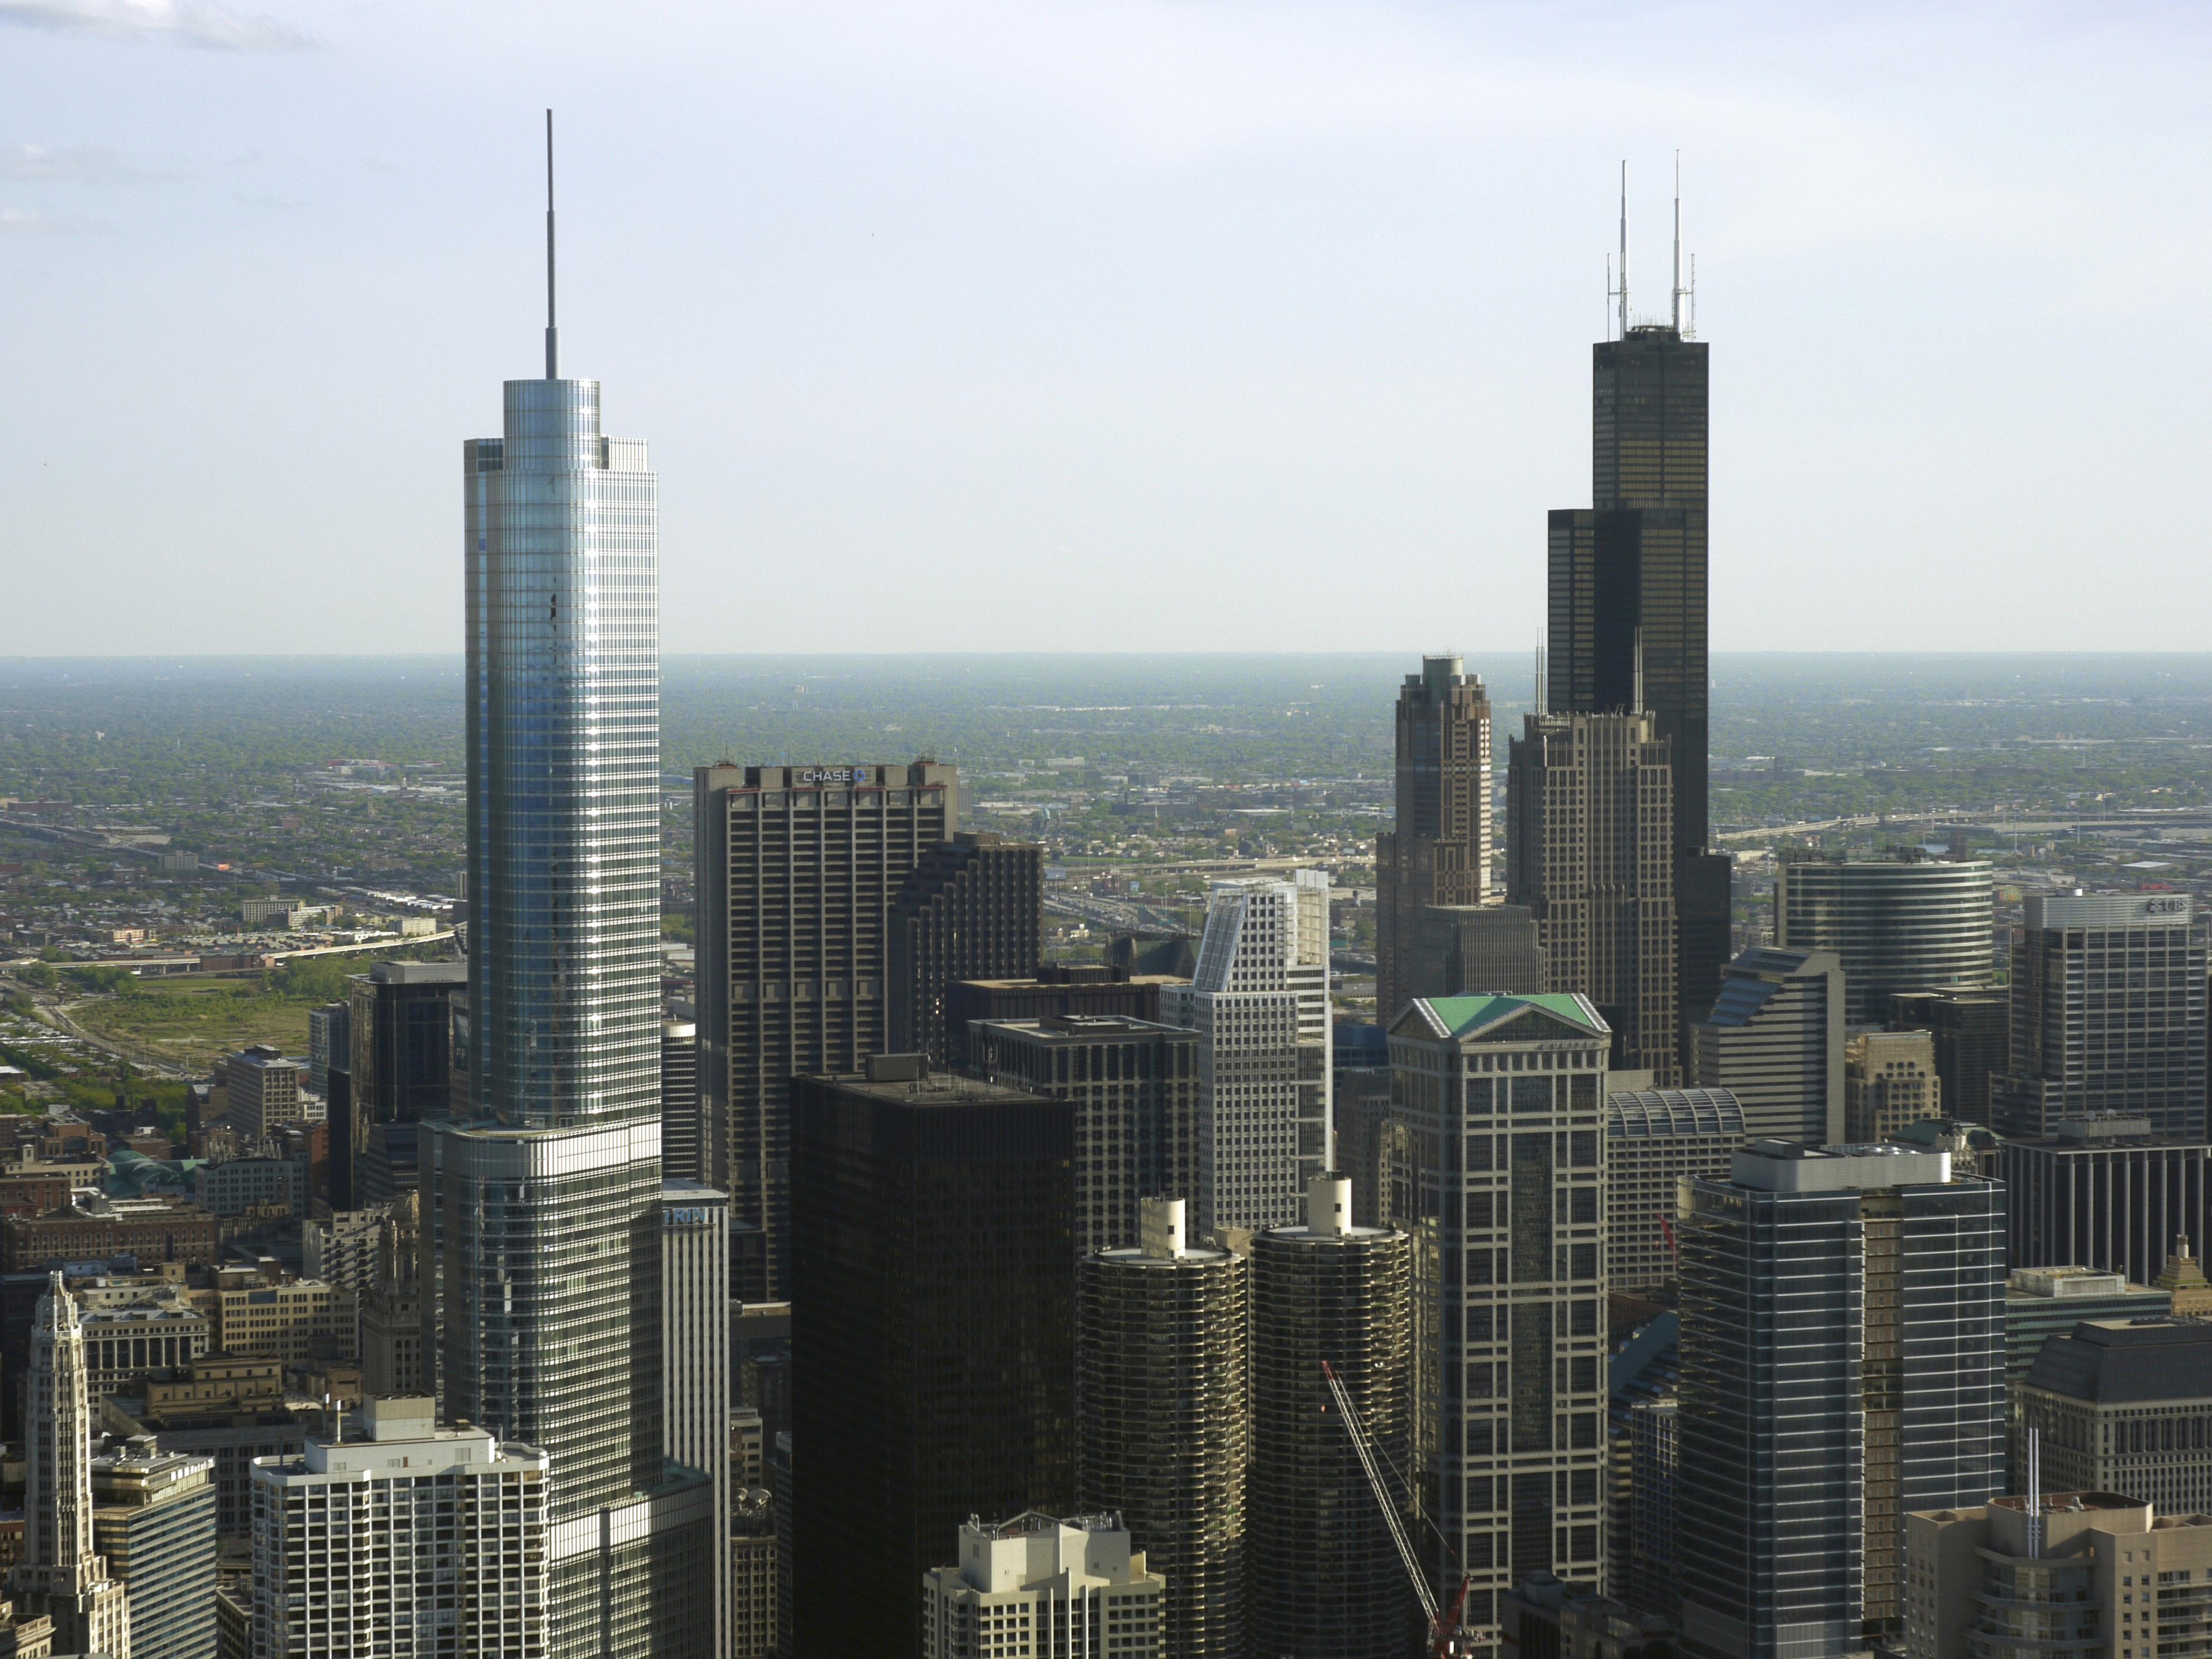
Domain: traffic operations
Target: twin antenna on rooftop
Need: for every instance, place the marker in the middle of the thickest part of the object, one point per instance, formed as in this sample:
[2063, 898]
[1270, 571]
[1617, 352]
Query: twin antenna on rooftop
[1683, 318]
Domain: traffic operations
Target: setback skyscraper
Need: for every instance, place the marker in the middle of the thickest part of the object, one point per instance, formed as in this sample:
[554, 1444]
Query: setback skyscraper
[541, 1205]
[1437, 849]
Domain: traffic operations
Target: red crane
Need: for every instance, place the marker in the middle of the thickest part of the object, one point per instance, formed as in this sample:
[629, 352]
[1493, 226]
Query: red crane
[1443, 1623]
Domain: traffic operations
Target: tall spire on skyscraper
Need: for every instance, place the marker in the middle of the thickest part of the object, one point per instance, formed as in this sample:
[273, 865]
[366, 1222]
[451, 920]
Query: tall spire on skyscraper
[552, 333]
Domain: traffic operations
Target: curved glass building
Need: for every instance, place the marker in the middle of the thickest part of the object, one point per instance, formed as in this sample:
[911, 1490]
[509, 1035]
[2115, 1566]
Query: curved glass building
[1897, 924]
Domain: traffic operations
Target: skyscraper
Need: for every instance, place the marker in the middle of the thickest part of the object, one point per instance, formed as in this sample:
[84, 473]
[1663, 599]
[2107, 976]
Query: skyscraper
[541, 1205]
[1626, 624]
[1842, 1362]
[798, 867]
[973, 909]
[1260, 1006]
[1908, 922]
[2108, 1014]
[1437, 848]
[1470, 950]
[1326, 1580]
[1774, 1040]
[1973, 1032]
[59, 1575]
[1889, 1081]
[695, 1347]
[1652, 1140]
[1164, 1418]
[1037, 1588]
[152, 1520]
[2103, 1193]
[2124, 1406]
[1501, 1100]
[682, 1136]
[1588, 802]
[399, 1029]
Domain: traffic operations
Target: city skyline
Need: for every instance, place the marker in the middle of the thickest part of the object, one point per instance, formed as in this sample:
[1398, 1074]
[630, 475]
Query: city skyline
[1198, 295]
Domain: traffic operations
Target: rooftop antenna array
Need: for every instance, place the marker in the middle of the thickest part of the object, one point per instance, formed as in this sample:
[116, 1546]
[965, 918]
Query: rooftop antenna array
[1679, 291]
[1619, 294]
[552, 334]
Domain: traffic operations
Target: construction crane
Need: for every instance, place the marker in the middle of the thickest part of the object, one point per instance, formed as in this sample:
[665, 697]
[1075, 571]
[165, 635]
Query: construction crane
[1443, 1622]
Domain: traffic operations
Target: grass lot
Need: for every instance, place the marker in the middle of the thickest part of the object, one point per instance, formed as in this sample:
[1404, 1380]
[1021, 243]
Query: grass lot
[194, 1022]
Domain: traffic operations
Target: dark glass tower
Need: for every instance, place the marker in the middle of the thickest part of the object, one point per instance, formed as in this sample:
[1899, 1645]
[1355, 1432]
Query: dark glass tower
[1437, 848]
[1628, 600]
[973, 909]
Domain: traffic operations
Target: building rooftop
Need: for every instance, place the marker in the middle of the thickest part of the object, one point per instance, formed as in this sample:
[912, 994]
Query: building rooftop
[1786, 1166]
[2127, 1361]
[1658, 1112]
[1468, 1016]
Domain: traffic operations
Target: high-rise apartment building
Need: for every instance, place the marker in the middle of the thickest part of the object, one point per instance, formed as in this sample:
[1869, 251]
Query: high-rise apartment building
[933, 1336]
[541, 1197]
[2103, 1193]
[1889, 1081]
[60, 1573]
[2124, 1406]
[400, 1027]
[1164, 1419]
[2108, 1014]
[1774, 1040]
[694, 1358]
[1499, 1102]
[1135, 1087]
[1627, 626]
[1590, 852]
[797, 869]
[683, 1135]
[1971, 1030]
[1474, 950]
[1260, 1004]
[1842, 1362]
[435, 1539]
[1909, 922]
[153, 1523]
[1437, 848]
[1652, 1141]
[1326, 1580]
[972, 908]
[1035, 1588]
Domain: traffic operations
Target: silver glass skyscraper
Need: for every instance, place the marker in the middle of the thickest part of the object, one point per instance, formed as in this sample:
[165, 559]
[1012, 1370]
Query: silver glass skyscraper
[542, 1199]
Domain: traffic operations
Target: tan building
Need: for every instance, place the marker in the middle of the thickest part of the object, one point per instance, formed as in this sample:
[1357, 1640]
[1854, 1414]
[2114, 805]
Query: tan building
[2124, 1406]
[1590, 852]
[752, 1573]
[307, 1320]
[261, 1092]
[2184, 1280]
[1889, 1081]
[2077, 1576]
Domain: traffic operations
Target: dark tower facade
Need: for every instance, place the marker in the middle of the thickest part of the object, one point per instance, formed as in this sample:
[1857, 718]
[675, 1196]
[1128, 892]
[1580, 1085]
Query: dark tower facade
[1437, 849]
[1628, 603]
[973, 909]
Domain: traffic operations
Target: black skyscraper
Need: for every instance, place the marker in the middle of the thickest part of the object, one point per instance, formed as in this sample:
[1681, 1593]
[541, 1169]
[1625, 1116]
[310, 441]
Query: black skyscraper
[973, 909]
[1627, 623]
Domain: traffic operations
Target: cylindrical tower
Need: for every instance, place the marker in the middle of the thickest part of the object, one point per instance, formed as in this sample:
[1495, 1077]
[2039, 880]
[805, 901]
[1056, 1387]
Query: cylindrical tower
[1162, 1401]
[1326, 1580]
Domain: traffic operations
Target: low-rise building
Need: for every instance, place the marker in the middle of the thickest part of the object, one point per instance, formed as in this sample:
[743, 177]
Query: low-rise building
[1037, 1588]
[95, 1227]
[233, 1186]
[225, 1408]
[306, 1320]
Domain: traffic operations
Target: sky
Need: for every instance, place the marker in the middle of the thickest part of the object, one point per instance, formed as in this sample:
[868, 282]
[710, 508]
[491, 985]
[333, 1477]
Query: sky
[1102, 325]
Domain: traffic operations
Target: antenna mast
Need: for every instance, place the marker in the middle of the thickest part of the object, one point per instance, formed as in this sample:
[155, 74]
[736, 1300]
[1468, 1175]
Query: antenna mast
[552, 334]
[1623, 250]
[1678, 242]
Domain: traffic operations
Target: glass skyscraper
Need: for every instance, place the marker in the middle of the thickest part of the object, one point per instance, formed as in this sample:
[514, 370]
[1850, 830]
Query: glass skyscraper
[542, 1198]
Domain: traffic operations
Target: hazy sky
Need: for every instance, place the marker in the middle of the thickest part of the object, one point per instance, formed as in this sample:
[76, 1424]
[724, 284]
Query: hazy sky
[1106, 325]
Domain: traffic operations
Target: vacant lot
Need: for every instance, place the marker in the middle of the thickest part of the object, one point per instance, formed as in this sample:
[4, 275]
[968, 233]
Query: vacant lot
[192, 1023]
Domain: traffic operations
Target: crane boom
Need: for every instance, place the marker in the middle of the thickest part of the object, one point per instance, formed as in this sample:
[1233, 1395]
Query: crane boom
[1365, 1453]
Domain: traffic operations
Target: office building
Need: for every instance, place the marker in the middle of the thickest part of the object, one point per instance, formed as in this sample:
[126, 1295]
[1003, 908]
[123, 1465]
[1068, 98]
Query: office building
[2183, 1282]
[391, 1307]
[341, 1250]
[1056, 988]
[294, 1323]
[330, 1046]
[1652, 1141]
[129, 1335]
[60, 1574]
[1360, 1129]
[1164, 1419]
[797, 869]
[1134, 1088]
[2062, 1575]
[932, 1328]
[1774, 1040]
[1626, 627]
[97, 1228]
[541, 1196]
[153, 1523]
[401, 1023]
[972, 908]
[1326, 1581]
[262, 1088]
[1546, 1615]
[427, 1541]
[225, 1409]
[1645, 1366]
[1437, 848]
[695, 1364]
[1471, 949]
[236, 1185]
[1035, 1588]
[24, 1634]
[1973, 1034]
[1654, 1470]
[1910, 922]
[1260, 1004]
[1889, 1081]
[1500, 1102]
[1590, 851]
[2102, 1193]
[681, 1133]
[754, 1560]
[1821, 1404]
[2124, 1406]
[2108, 1014]
[2041, 1303]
